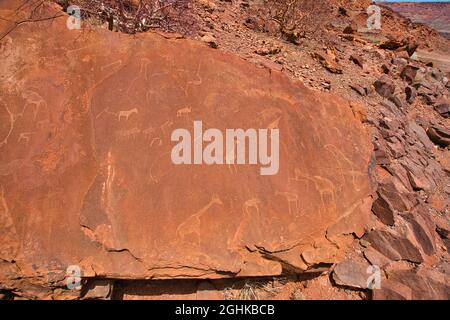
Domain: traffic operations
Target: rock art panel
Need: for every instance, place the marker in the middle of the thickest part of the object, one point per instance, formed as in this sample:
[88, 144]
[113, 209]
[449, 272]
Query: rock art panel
[86, 176]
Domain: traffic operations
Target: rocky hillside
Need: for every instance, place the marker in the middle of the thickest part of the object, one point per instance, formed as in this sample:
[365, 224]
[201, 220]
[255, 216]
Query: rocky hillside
[363, 185]
[434, 14]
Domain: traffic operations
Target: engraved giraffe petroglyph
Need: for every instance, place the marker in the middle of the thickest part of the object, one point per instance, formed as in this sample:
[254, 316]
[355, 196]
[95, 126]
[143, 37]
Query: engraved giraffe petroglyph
[165, 126]
[12, 119]
[246, 220]
[148, 132]
[193, 223]
[232, 167]
[270, 114]
[323, 186]
[6, 221]
[349, 164]
[292, 200]
[143, 64]
[127, 113]
[275, 124]
[9, 232]
[199, 80]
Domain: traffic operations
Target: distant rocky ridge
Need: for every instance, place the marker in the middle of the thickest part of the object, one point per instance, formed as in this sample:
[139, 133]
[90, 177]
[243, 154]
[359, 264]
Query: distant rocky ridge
[434, 14]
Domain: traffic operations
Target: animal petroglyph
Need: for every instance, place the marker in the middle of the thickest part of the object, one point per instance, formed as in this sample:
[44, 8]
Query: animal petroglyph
[127, 113]
[143, 64]
[148, 132]
[128, 134]
[251, 203]
[184, 111]
[323, 186]
[198, 81]
[43, 123]
[248, 219]
[25, 136]
[292, 200]
[275, 124]
[11, 126]
[165, 126]
[33, 98]
[193, 223]
[156, 140]
[116, 63]
[7, 226]
[269, 115]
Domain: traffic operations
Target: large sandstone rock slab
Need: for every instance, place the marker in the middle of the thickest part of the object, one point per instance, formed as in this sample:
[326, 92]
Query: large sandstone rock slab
[86, 176]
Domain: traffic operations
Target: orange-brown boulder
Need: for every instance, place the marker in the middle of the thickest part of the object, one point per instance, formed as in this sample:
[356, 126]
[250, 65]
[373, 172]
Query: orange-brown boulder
[86, 176]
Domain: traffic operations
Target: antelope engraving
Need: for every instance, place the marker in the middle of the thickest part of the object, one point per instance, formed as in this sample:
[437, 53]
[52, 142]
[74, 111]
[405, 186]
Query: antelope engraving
[184, 111]
[25, 136]
[35, 99]
[127, 113]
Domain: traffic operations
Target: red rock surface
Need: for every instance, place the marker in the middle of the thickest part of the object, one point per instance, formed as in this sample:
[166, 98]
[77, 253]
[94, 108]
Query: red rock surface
[86, 176]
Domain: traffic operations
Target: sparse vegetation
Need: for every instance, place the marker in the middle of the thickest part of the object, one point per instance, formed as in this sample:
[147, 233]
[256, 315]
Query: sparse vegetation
[298, 18]
[133, 16]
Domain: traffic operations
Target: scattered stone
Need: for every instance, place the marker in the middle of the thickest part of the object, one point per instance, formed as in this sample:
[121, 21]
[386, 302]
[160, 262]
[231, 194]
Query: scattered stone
[398, 195]
[439, 135]
[425, 284]
[351, 28]
[360, 90]
[357, 60]
[210, 40]
[394, 246]
[98, 289]
[384, 86]
[384, 210]
[328, 61]
[396, 147]
[443, 107]
[420, 134]
[392, 290]
[411, 48]
[375, 257]
[208, 5]
[416, 176]
[351, 273]
[268, 50]
[422, 228]
[399, 62]
[409, 73]
[397, 101]
[411, 94]
[391, 44]
[342, 12]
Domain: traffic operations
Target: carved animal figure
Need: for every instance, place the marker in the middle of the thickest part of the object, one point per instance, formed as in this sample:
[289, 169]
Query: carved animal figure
[127, 113]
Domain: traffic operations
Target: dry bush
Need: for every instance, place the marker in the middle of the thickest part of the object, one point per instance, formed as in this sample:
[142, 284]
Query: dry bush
[299, 18]
[132, 16]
